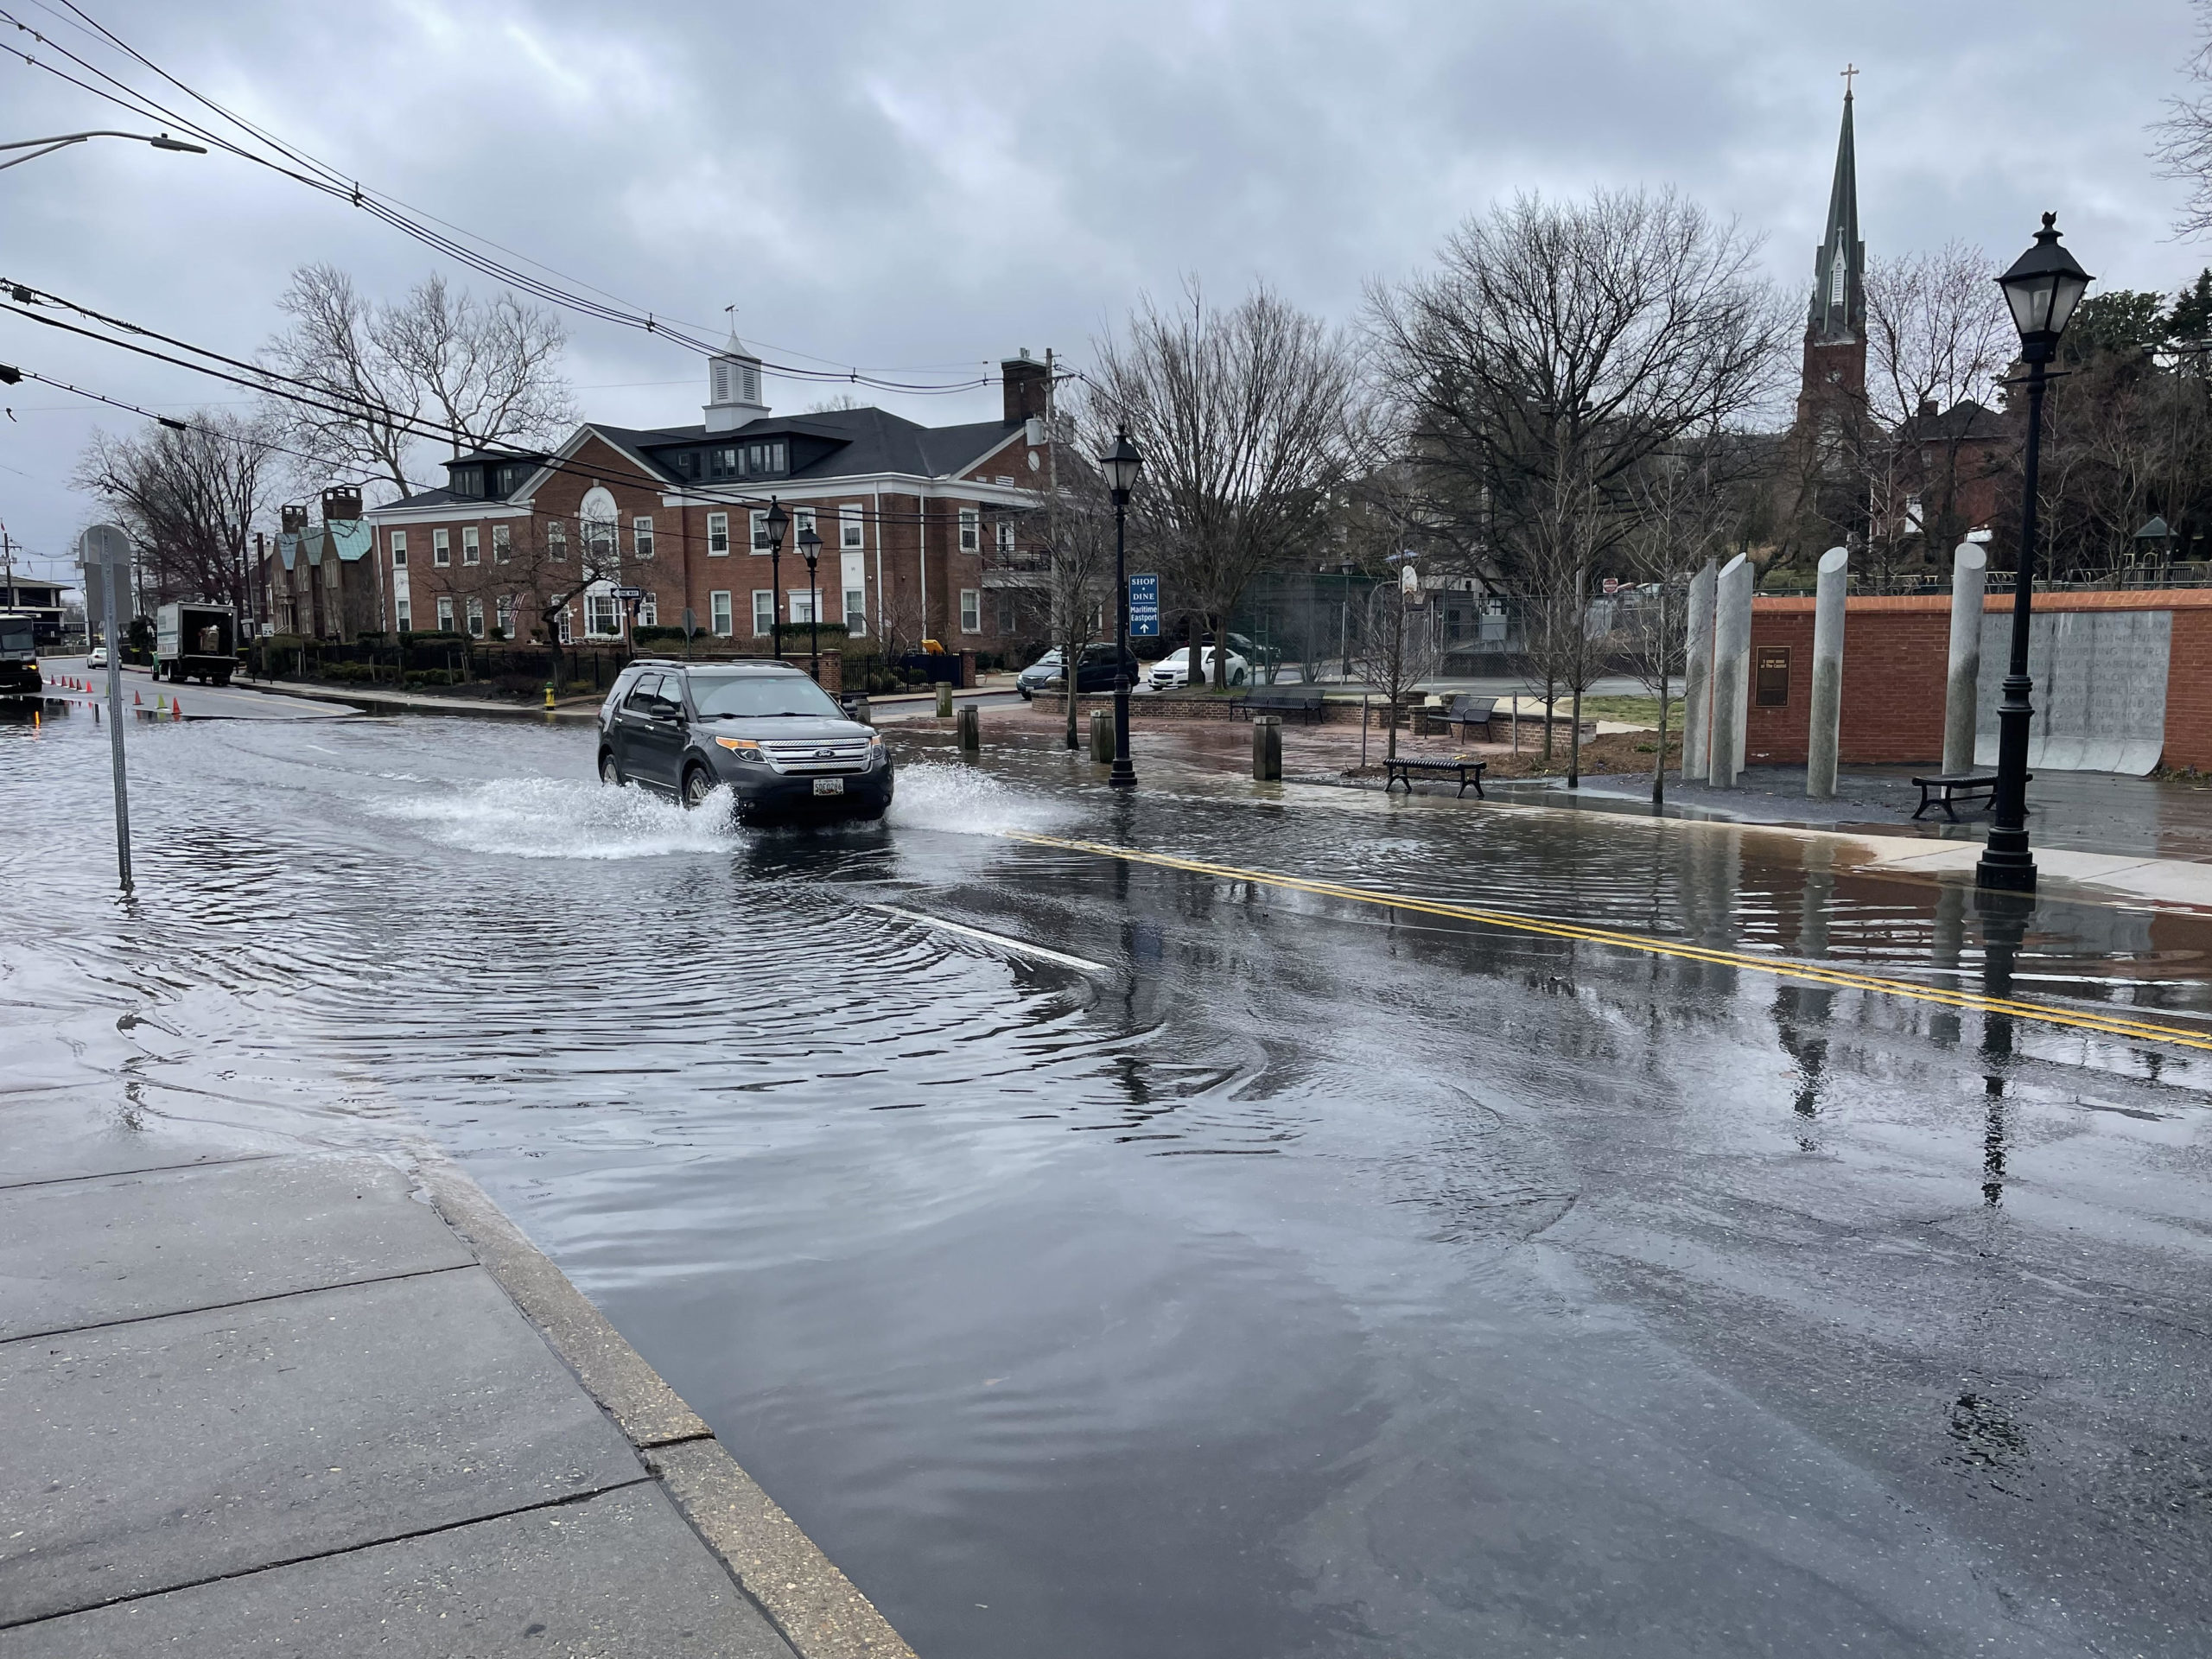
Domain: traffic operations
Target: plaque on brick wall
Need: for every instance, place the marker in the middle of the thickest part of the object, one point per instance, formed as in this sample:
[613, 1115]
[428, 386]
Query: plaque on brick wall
[1771, 667]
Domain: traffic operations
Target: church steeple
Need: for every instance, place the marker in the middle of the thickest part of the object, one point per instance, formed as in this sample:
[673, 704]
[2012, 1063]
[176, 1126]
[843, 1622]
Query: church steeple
[1839, 309]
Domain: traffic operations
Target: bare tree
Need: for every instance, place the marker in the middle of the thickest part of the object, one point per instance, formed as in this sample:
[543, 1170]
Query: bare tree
[2184, 146]
[1938, 338]
[1558, 347]
[1246, 420]
[1694, 501]
[1074, 527]
[487, 373]
[1395, 648]
[189, 495]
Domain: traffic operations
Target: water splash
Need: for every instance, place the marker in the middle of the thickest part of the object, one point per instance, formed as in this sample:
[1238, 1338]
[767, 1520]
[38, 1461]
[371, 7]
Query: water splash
[954, 796]
[561, 819]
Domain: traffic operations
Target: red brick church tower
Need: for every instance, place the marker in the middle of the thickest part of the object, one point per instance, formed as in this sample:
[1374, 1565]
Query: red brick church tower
[1835, 331]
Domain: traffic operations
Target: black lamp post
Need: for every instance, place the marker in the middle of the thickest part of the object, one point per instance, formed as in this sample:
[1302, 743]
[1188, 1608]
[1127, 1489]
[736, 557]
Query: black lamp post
[810, 544]
[1121, 465]
[2042, 288]
[778, 521]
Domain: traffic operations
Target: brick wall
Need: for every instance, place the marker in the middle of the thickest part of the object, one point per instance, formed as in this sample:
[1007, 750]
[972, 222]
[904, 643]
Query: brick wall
[1897, 655]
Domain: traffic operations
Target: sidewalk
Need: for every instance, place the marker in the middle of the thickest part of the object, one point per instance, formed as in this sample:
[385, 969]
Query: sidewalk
[257, 1403]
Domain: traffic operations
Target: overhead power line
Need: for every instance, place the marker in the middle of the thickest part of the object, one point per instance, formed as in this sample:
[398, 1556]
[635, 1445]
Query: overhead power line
[566, 292]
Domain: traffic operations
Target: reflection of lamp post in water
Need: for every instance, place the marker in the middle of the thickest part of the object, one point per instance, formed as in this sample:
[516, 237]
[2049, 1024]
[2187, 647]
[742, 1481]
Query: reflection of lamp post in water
[2004, 925]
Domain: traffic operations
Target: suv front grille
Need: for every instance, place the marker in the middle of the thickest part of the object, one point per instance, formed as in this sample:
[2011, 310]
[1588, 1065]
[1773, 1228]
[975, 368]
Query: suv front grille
[817, 756]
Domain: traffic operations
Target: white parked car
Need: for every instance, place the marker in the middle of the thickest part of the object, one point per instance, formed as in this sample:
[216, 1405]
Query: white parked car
[97, 657]
[1174, 670]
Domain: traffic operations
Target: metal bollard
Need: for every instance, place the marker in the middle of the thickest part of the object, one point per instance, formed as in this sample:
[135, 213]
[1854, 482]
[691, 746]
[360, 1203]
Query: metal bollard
[944, 699]
[1101, 737]
[1266, 748]
[971, 728]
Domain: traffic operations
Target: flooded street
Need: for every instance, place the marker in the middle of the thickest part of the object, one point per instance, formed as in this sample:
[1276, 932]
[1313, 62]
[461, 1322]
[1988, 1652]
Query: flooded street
[1244, 1270]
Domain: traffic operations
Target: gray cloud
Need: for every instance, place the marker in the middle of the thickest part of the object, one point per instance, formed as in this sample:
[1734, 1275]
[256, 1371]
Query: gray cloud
[898, 187]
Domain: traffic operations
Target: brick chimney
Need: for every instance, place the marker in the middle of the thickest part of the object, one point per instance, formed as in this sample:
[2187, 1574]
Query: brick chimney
[1025, 387]
[340, 502]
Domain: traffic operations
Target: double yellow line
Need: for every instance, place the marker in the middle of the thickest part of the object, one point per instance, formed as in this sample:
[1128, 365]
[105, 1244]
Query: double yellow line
[1780, 967]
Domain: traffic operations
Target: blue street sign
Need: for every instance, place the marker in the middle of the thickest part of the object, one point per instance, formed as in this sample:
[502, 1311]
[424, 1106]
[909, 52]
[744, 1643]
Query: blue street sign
[1144, 607]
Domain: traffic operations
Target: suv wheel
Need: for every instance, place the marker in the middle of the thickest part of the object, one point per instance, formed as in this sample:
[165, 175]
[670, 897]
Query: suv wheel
[609, 773]
[697, 785]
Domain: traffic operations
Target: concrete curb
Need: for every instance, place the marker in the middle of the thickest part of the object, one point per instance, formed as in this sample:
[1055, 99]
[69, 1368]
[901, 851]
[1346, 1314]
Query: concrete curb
[815, 1607]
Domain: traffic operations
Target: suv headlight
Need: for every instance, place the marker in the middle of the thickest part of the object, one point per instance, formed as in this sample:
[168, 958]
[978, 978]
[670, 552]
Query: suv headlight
[743, 747]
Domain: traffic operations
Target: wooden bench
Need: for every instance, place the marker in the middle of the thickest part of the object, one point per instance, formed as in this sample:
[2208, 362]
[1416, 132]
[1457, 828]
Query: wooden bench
[1955, 786]
[1302, 699]
[1470, 711]
[1400, 771]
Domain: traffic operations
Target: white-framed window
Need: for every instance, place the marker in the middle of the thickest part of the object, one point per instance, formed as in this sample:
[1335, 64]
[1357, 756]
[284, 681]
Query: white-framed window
[851, 532]
[641, 537]
[1913, 518]
[556, 548]
[506, 619]
[602, 616]
[471, 550]
[971, 530]
[1006, 535]
[971, 610]
[399, 550]
[600, 540]
[445, 612]
[503, 543]
[649, 611]
[568, 627]
[718, 535]
[476, 619]
[856, 612]
[1008, 612]
[764, 610]
[798, 605]
[718, 615]
[442, 548]
[405, 613]
[802, 521]
[757, 538]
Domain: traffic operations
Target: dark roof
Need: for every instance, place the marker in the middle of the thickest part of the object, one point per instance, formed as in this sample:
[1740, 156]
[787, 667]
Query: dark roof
[1965, 421]
[868, 440]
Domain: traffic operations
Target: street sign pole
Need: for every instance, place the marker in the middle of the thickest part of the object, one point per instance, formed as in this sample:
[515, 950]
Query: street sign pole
[111, 547]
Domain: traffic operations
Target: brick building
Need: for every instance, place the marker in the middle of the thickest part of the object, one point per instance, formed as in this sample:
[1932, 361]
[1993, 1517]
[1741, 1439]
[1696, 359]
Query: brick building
[909, 518]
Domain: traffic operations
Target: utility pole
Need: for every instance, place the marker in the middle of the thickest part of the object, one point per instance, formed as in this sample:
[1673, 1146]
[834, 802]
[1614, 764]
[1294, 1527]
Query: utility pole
[1069, 655]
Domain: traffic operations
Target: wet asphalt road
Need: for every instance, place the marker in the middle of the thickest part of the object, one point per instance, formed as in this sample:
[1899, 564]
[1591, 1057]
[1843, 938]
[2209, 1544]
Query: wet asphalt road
[1304, 1278]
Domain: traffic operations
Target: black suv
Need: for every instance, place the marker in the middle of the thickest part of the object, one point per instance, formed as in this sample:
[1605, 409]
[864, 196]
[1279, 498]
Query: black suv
[766, 730]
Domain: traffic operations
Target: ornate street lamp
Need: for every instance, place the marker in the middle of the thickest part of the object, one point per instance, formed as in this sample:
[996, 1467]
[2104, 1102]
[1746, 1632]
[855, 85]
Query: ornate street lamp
[810, 544]
[2042, 288]
[778, 522]
[1121, 465]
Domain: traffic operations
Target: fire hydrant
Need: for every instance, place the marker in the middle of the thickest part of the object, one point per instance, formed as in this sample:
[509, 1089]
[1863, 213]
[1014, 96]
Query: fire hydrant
[549, 696]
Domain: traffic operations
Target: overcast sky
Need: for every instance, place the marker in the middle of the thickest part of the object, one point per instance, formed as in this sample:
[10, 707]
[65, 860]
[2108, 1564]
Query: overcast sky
[927, 185]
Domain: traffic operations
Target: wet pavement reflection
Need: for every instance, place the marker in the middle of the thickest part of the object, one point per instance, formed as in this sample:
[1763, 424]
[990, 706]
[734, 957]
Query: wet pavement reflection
[1305, 1277]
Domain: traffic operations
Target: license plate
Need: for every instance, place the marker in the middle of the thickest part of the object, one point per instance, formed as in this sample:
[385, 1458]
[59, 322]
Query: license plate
[829, 785]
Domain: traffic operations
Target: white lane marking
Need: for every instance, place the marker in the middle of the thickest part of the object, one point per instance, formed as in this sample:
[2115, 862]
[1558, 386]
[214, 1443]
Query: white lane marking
[1020, 947]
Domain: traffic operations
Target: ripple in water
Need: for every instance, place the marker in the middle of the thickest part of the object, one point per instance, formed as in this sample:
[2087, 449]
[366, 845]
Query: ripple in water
[551, 817]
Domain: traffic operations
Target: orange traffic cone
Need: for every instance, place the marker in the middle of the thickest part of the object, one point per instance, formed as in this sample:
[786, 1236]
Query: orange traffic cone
[176, 708]
[137, 699]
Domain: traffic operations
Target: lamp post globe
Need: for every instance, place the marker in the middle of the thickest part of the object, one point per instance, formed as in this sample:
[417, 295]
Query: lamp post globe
[1120, 466]
[2042, 288]
[810, 545]
[776, 523]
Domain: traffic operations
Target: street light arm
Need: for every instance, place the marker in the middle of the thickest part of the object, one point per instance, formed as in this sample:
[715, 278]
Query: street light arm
[38, 147]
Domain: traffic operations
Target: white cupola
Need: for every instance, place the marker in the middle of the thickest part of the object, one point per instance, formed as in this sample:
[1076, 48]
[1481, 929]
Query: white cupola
[733, 388]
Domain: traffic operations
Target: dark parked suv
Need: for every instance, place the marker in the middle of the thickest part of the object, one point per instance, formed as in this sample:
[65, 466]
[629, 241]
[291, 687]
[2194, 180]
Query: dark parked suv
[779, 741]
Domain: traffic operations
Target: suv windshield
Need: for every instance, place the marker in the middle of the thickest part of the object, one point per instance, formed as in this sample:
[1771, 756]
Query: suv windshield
[757, 696]
[14, 634]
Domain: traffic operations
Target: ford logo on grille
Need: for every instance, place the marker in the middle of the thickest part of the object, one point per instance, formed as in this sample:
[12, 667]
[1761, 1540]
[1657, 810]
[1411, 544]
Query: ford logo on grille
[821, 754]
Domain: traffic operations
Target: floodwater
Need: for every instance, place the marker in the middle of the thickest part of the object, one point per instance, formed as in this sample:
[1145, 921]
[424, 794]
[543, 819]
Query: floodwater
[1299, 1277]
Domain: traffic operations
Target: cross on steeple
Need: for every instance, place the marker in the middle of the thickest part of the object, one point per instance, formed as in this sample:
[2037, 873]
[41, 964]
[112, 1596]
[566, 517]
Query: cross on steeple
[1849, 70]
